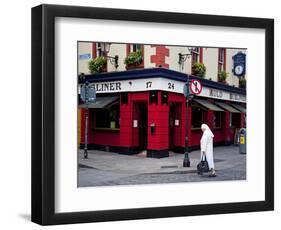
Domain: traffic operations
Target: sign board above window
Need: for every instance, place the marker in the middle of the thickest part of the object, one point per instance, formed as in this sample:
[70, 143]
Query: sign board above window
[163, 84]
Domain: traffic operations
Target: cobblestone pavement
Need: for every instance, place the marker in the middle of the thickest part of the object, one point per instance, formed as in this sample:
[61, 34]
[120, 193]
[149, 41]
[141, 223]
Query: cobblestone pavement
[105, 168]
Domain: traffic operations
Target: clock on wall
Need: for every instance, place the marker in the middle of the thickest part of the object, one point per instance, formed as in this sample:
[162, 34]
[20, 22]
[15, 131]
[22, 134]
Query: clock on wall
[239, 70]
[239, 64]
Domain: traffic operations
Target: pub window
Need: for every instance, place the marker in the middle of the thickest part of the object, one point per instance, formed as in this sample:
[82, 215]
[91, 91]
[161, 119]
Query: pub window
[108, 118]
[221, 59]
[236, 120]
[99, 49]
[217, 119]
[164, 98]
[135, 47]
[153, 99]
[197, 117]
[195, 55]
[124, 98]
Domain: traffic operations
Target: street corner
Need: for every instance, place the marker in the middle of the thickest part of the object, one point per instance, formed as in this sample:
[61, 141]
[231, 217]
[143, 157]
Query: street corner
[107, 168]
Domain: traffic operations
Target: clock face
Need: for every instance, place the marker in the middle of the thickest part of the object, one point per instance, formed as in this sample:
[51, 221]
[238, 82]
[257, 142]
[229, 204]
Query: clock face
[238, 69]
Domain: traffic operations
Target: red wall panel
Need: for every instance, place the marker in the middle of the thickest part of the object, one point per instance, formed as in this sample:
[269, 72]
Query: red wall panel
[219, 135]
[159, 115]
[126, 124]
[195, 137]
[135, 130]
[111, 138]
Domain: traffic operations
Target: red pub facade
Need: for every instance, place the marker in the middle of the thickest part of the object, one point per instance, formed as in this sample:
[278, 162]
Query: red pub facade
[145, 109]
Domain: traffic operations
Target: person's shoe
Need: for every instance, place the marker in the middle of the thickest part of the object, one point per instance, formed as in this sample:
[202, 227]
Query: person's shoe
[212, 175]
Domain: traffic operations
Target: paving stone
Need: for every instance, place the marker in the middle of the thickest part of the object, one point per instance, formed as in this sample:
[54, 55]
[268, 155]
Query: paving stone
[109, 169]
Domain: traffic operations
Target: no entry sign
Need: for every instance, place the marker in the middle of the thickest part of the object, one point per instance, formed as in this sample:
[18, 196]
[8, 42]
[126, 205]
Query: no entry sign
[195, 87]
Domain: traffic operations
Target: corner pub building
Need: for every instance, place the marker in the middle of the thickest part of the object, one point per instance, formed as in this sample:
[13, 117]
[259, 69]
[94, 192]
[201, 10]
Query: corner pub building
[145, 109]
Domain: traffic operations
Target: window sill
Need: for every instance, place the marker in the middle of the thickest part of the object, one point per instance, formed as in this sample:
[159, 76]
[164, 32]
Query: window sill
[134, 66]
[195, 129]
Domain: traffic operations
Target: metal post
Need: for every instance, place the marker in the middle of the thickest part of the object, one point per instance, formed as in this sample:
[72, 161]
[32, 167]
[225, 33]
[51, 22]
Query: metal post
[182, 59]
[86, 135]
[86, 121]
[186, 161]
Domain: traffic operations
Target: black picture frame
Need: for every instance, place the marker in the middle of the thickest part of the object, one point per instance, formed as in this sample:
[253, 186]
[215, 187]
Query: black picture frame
[43, 114]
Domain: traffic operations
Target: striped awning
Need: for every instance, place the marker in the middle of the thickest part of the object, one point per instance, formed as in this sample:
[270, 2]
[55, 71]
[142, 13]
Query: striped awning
[102, 103]
[227, 107]
[239, 107]
[208, 105]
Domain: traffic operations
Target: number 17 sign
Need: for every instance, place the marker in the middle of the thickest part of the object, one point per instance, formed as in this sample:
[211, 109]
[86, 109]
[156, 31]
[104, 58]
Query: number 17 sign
[195, 87]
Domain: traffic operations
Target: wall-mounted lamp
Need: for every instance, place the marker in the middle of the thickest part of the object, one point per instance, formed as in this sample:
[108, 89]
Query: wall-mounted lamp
[183, 57]
[105, 47]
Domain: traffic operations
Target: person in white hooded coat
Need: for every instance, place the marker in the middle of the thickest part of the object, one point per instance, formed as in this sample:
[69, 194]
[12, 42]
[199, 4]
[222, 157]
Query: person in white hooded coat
[206, 145]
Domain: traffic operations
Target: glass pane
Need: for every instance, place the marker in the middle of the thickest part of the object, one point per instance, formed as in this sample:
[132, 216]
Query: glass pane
[197, 117]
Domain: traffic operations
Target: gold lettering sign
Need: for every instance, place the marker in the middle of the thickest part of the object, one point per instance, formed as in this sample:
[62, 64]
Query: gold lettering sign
[237, 97]
[215, 93]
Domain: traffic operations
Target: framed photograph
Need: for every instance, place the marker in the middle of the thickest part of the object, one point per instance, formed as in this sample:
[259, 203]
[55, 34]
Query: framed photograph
[145, 114]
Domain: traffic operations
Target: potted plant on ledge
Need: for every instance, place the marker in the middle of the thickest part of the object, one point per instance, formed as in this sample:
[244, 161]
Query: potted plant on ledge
[242, 82]
[199, 69]
[97, 65]
[222, 76]
[134, 60]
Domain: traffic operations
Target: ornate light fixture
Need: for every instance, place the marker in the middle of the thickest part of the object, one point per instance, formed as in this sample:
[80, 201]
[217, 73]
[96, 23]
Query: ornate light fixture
[105, 48]
[183, 57]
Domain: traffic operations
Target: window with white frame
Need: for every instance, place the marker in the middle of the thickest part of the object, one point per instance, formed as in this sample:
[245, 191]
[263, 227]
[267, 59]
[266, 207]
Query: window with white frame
[195, 54]
[99, 50]
[195, 57]
[221, 59]
[135, 47]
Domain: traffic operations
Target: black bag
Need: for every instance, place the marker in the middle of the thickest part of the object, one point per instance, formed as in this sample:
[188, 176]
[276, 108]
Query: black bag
[203, 165]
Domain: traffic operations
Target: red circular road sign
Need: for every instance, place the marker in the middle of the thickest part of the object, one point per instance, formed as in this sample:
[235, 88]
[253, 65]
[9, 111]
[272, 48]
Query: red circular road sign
[195, 87]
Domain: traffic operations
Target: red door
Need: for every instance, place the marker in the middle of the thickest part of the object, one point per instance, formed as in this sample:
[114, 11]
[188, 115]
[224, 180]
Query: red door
[140, 125]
